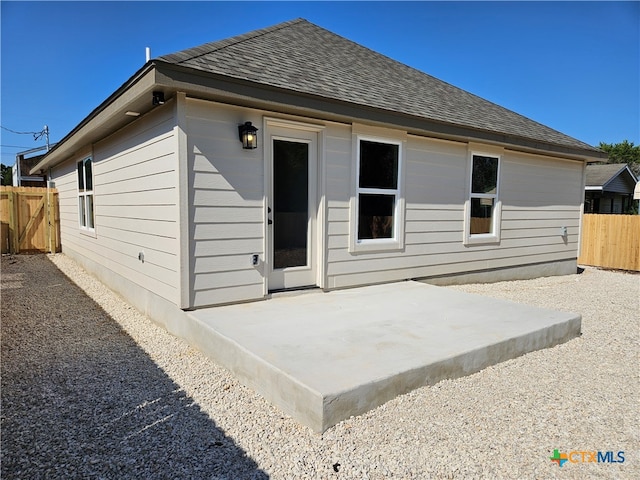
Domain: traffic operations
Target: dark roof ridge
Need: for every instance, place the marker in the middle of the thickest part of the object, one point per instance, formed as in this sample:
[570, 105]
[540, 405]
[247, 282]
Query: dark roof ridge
[235, 40]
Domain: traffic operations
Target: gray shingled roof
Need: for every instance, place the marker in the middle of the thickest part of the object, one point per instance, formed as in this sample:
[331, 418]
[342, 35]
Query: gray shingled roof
[302, 57]
[599, 175]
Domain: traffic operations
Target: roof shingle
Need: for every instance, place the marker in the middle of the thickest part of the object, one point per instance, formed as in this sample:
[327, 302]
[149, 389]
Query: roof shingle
[598, 175]
[302, 57]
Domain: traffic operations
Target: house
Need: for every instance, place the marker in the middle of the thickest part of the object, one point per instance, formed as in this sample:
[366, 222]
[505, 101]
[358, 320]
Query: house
[25, 161]
[609, 188]
[354, 170]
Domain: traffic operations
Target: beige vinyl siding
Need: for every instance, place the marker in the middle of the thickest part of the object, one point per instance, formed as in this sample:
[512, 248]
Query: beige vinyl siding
[66, 182]
[226, 205]
[539, 195]
[137, 208]
[338, 151]
[135, 203]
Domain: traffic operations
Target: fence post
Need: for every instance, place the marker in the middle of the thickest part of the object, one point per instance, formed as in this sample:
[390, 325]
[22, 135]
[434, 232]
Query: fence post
[56, 221]
[13, 222]
[47, 219]
[52, 219]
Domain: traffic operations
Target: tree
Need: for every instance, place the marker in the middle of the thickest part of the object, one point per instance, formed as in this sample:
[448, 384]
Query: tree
[6, 174]
[624, 152]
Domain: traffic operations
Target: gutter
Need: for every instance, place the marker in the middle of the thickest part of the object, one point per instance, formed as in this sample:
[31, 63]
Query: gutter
[237, 91]
[171, 78]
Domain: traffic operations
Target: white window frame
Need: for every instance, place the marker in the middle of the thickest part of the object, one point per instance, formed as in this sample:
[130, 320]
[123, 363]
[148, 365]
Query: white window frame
[84, 195]
[357, 245]
[496, 217]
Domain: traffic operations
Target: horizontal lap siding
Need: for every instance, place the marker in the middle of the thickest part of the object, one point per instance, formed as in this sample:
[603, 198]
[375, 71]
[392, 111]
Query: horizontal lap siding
[135, 203]
[65, 178]
[539, 196]
[338, 192]
[226, 211]
[621, 184]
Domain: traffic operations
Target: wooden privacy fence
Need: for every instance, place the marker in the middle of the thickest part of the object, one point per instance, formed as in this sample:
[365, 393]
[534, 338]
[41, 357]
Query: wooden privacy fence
[611, 241]
[30, 219]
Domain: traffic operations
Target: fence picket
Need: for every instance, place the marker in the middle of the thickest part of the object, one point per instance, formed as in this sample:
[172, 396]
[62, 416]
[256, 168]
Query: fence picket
[29, 226]
[610, 241]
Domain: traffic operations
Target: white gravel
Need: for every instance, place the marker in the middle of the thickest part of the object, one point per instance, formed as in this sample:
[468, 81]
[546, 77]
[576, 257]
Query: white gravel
[83, 399]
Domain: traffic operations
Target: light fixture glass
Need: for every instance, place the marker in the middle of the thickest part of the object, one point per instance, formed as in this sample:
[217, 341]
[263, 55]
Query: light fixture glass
[248, 135]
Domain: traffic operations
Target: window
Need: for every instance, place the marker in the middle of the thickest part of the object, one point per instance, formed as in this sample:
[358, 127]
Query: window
[482, 224]
[378, 203]
[85, 194]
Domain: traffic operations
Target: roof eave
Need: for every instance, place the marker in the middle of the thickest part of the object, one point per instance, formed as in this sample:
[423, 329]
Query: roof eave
[134, 95]
[105, 118]
[227, 89]
[631, 174]
[623, 167]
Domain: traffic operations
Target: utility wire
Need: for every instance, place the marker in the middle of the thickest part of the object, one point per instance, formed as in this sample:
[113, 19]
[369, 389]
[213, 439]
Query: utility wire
[36, 135]
[19, 133]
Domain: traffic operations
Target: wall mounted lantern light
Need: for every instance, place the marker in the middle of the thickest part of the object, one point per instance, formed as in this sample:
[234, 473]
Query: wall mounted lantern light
[248, 135]
[158, 98]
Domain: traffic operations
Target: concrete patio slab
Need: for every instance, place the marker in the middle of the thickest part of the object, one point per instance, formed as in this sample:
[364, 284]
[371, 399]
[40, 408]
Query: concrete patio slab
[323, 357]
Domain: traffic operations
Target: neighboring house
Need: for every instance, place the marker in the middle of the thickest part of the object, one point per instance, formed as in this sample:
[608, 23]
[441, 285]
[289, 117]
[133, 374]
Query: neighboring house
[365, 171]
[25, 161]
[609, 188]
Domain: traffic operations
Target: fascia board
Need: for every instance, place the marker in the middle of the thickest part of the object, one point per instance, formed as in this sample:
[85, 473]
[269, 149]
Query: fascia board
[225, 89]
[33, 178]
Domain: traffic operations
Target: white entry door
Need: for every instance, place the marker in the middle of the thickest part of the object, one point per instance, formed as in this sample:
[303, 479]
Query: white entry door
[292, 208]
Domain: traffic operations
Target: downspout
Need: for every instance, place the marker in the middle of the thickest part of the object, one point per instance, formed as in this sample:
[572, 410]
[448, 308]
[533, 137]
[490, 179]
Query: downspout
[18, 172]
[584, 181]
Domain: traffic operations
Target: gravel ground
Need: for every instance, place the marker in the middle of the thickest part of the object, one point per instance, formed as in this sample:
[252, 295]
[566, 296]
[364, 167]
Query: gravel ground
[93, 389]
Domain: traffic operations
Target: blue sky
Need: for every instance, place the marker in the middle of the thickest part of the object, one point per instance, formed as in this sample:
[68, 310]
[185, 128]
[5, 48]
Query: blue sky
[574, 66]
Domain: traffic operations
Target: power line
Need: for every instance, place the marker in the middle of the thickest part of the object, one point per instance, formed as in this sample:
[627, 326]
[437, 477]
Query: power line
[36, 135]
[19, 133]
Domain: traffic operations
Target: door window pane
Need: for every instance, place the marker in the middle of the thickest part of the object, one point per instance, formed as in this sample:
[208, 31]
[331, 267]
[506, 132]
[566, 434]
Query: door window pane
[378, 165]
[375, 216]
[291, 203]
